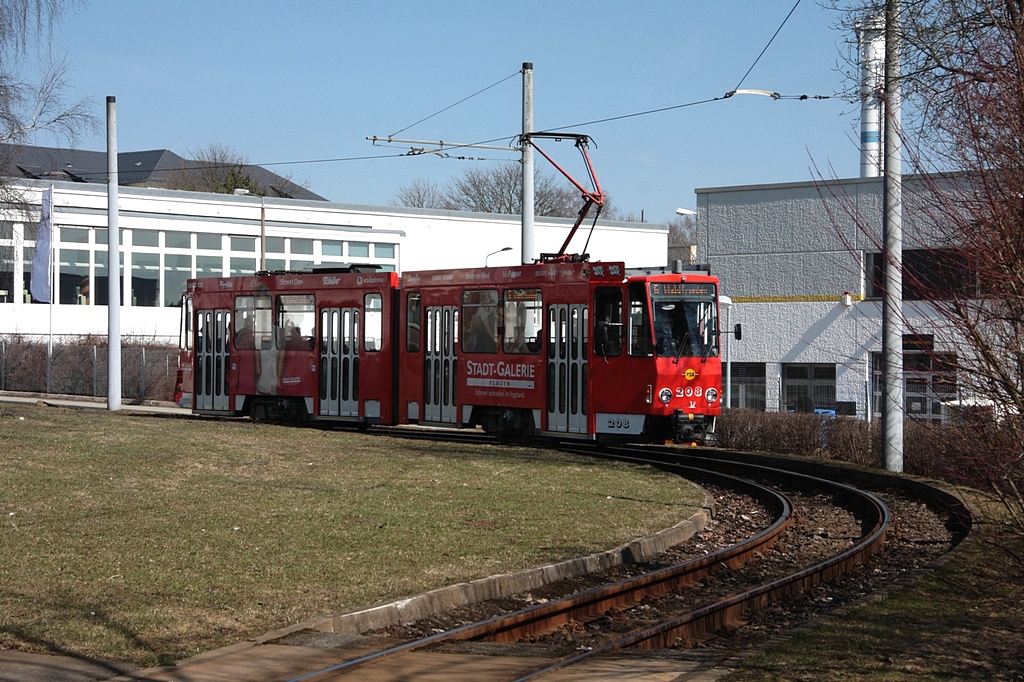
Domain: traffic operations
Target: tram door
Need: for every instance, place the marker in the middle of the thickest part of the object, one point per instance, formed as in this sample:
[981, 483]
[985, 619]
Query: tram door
[440, 361]
[567, 368]
[211, 353]
[339, 362]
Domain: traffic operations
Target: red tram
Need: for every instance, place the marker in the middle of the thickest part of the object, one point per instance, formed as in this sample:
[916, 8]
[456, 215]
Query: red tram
[551, 349]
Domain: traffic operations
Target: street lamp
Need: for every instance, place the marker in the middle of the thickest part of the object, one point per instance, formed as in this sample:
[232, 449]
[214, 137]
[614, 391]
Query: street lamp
[685, 211]
[507, 248]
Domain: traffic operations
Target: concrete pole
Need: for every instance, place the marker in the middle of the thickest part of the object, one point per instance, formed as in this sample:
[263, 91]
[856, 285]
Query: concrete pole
[892, 231]
[113, 266]
[529, 253]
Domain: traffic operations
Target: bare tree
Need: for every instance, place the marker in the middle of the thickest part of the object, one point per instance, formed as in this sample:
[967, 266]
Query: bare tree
[496, 189]
[963, 66]
[420, 194]
[27, 109]
[215, 168]
[682, 234]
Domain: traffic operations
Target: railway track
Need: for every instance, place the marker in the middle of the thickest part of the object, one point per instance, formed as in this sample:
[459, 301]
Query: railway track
[667, 606]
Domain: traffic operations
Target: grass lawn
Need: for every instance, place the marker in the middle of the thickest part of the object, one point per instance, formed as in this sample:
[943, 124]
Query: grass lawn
[149, 539]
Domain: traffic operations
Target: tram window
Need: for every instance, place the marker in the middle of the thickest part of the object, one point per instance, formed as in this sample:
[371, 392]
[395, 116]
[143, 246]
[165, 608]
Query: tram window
[608, 321]
[373, 327]
[244, 333]
[296, 321]
[523, 321]
[639, 321]
[480, 317]
[412, 323]
[185, 334]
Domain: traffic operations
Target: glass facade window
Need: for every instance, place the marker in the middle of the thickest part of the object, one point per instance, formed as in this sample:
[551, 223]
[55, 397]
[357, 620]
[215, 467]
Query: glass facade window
[74, 277]
[7, 261]
[208, 242]
[177, 270]
[145, 279]
[145, 238]
[303, 246]
[333, 248]
[74, 235]
[275, 264]
[101, 236]
[384, 250]
[275, 244]
[243, 266]
[301, 265]
[359, 250]
[209, 266]
[178, 240]
[243, 243]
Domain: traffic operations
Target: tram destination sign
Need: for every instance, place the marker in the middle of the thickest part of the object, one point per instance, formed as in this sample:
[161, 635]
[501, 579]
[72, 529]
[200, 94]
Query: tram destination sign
[683, 289]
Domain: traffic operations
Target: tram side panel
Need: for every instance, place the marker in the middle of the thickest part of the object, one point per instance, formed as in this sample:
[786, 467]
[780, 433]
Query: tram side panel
[506, 349]
[297, 346]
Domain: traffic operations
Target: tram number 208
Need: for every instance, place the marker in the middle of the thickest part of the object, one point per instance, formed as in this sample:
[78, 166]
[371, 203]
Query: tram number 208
[620, 423]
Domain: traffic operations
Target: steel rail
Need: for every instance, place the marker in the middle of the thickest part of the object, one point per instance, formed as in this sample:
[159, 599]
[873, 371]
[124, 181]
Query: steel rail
[732, 608]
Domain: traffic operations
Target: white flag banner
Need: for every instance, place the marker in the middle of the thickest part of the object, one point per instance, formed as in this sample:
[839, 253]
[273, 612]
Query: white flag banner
[39, 285]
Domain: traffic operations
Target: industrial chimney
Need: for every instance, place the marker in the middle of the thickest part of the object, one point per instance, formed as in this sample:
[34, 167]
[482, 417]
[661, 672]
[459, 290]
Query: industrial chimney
[871, 37]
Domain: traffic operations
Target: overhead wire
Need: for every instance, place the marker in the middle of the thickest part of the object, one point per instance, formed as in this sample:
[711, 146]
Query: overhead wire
[770, 41]
[608, 119]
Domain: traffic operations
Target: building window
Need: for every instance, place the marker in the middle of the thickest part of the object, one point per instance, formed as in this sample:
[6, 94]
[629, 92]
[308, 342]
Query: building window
[178, 240]
[384, 250]
[145, 238]
[747, 385]
[303, 246]
[74, 235]
[209, 266]
[208, 242]
[929, 379]
[245, 244]
[332, 247]
[358, 250]
[177, 270]
[807, 387]
[242, 266]
[275, 244]
[146, 279]
[927, 274]
[7, 264]
[73, 277]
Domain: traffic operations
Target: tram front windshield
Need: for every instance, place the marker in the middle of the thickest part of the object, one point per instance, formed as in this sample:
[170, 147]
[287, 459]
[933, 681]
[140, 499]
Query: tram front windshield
[685, 319]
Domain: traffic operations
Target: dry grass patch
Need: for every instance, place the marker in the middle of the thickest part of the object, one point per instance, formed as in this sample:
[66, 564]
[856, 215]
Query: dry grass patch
[148, 539]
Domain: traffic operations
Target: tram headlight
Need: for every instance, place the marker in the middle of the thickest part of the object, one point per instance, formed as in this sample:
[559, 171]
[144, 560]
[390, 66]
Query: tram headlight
[711, 395]
[665, 395]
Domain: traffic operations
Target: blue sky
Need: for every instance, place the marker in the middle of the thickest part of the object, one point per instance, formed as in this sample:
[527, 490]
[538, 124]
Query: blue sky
[289, 82]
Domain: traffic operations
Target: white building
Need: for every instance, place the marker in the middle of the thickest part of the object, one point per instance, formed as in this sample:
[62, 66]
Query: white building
[802, 275]
[169, 236]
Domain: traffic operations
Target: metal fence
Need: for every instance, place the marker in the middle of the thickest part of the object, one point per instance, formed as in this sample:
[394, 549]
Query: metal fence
[147, 372]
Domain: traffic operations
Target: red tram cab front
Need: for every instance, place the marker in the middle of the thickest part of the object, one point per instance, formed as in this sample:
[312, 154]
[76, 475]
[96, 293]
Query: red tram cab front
[562, 349]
